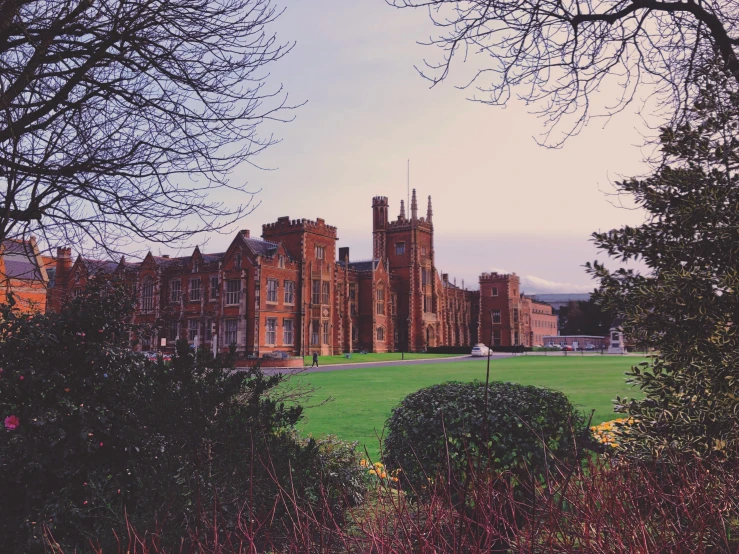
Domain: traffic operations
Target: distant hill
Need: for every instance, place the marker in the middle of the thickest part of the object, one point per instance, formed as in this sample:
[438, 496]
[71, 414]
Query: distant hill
[559, 300]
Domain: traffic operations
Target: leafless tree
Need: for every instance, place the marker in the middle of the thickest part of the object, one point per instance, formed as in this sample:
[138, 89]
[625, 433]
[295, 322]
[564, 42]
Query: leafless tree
[556, 54]
[120, 118]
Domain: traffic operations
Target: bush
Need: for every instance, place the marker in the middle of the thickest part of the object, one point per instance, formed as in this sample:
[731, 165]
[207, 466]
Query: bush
[442, 430]
[97, 438]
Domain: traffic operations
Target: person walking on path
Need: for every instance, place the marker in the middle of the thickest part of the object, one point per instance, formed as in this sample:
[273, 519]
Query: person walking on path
[315, 359]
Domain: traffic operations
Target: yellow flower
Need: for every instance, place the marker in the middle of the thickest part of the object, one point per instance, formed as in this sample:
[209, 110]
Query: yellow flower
[363, 463]
[383, 475]
[372, 472]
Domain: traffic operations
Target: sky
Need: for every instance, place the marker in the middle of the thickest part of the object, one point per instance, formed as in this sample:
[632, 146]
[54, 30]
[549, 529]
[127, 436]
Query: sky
[501, 202]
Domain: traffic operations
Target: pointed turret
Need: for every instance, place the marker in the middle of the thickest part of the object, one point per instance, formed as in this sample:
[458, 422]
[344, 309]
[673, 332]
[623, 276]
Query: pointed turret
[429, 211]
[414, 206]
[402, 210]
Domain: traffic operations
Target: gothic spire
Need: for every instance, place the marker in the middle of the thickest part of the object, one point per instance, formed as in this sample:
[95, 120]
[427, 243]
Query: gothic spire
[429, 211]
[402, 210]
[414, 206]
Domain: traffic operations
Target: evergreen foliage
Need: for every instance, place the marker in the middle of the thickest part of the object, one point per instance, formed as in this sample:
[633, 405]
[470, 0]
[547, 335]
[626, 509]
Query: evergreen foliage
[686, 303]
[447, 430]
[96, 435]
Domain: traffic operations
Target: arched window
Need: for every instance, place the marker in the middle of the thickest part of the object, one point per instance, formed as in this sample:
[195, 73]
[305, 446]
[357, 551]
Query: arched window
[381, 334]
[380, 293]
[147, 295]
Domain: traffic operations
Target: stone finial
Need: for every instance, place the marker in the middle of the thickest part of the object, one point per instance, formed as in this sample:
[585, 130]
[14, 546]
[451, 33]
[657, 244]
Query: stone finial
[402, 210]
[414, 206]
[429, 211]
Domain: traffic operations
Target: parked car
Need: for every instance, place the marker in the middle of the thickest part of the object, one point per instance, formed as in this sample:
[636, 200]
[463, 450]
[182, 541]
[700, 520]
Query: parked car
[553, 346]
[480, 350]
[567, 348]
[590, 347]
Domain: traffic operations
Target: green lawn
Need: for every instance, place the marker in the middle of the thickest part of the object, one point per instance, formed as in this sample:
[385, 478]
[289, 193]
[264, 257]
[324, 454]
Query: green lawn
[364, 397]
[372, 357]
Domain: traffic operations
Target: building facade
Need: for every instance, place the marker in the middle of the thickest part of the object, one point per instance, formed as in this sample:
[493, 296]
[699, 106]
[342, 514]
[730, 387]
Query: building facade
[23, 272]
[508, 317]
[294, 291]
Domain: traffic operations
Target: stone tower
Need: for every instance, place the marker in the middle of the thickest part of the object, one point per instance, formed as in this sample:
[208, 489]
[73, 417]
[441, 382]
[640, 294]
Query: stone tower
[380, 209]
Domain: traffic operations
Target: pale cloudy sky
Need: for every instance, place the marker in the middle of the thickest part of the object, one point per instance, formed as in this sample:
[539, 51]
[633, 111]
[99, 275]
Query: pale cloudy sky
[501, 202]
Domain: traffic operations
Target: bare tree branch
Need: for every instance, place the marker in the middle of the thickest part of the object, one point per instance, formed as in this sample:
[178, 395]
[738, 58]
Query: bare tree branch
[120, 118]
[557, 54]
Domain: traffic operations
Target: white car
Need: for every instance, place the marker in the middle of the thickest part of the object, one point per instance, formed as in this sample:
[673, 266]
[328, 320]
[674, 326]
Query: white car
[480, 350]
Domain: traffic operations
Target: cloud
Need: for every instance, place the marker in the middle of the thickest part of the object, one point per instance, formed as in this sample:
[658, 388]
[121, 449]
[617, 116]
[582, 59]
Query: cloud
[536, 285]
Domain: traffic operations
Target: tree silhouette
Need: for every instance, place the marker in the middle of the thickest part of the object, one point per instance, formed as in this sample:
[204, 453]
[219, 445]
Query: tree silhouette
[120, 118]
[555, 54]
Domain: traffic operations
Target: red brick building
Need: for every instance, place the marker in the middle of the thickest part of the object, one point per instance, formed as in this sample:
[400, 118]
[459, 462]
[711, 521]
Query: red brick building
[288, 291]
[507, 317]
[23, 273]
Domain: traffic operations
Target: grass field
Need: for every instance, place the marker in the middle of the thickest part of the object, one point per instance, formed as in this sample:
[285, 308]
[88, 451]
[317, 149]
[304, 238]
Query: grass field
[363, 398]
[372, 357]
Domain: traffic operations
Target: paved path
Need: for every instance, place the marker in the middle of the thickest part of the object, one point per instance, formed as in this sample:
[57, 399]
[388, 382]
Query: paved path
[391, 363]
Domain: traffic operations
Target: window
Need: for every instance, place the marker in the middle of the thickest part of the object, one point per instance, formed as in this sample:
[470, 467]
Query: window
[193, 328]
[173, 332]
[320, 252]
[232, 326]
[288, 331]
[175, 290]
[325, 333]
[496, 316]
[515, 316]
[380, 301]
[325, 286]
[271, 335]
[290, 292]
[495, 291]
[515, 338]
[147, 295]
[281, 261]
[316, 292]
[272, 290]
[355, 334]
[393, 304]
[77, 291]
[314, 332]
[381, 334]
[195, 289]
[352, 291]
[214, 287]
[237, 263]
[425, 276]
[208, 331]
[233, 291]
[195, 267]
[353, 308]
[423, 251]
[496, 338]
[399, 248]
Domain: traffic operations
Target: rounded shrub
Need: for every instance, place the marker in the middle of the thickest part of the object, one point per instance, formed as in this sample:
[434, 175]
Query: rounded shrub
[446, 430]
